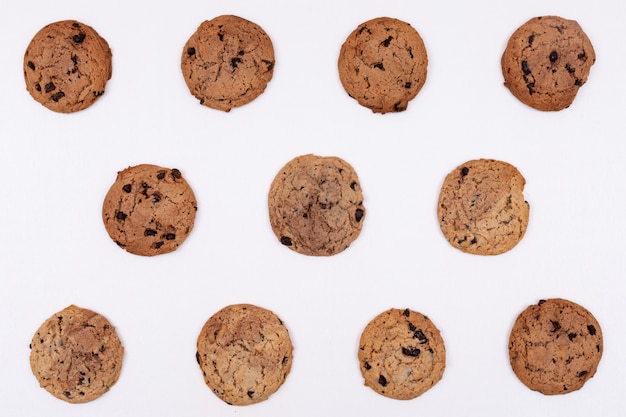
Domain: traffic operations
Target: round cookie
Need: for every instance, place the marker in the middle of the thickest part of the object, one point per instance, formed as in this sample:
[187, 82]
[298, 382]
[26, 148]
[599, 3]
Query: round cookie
[546, 61]
[227, 62]
[66, 66]
[383, 64]
[245, 354]
[401, 354]
[76, 355]
[316, 205]
[482, 208]
[555, 346]
[149, 210]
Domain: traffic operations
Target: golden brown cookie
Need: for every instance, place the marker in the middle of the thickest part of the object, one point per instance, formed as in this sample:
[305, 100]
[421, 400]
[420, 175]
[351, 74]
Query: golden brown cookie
[66, 66]
[245, 354]
[482, 208]
[555, 346]
[228, 62]
[76, 355]
[149, 210]
[383, 64]
[401, 354]
[546, 61]
[316, 205]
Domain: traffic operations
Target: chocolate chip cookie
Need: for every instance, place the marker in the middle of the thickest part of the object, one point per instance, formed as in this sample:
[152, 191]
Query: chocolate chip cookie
[401, 354]
[245, 354]
[555, 346]
[67, 66]
[316, 205]
[482, 208]
[228, 62]
[383, 64]
[149, 210]
[546, 61]
[76, 355]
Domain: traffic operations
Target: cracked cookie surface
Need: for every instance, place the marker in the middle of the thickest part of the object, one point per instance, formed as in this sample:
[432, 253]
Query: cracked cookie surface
[245, 354]
[482, 208]
[546, 61]
[401, 354]
[383, 64]
[76, 355]
[555, 346]
[66, 66]
[316, 205]
[228, 62]
[149, 210]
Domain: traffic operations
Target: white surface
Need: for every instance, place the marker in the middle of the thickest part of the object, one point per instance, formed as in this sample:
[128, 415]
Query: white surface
[57, 168]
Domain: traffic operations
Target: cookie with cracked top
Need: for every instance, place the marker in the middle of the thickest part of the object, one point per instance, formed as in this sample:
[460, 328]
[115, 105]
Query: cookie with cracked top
[67, 65]
[228, 62]
[383, 64]
[76, 355]
[401, 354]
[149, 210]
[546, 61]
[316, 205]
[245, 354]
[555, 346]
[481, 207]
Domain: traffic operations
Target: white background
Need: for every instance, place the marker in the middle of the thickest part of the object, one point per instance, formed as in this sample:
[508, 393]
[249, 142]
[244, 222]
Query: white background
[55, 170]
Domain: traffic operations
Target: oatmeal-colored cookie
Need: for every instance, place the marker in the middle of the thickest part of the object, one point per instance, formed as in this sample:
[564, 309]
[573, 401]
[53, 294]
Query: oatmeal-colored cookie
[555, 346]
[482, 208]
[401, 354]
[546, 61]
[66, 66]
[228, 62]
[316, 205]
[245, 354]
[76, 355]
[149, 210]
[383, 64]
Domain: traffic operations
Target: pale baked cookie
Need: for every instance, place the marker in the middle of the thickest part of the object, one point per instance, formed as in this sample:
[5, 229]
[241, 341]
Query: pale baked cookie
[149, 210]
[401, 354]
[546, 61]
[555, 346]
[481, 207]
[228, 62]
[383, 64]
[316, 205]
[245, 354]
[67, 65]
[76, 355]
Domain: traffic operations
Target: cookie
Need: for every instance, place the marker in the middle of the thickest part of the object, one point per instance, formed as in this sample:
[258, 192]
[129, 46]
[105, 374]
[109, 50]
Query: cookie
[67, 66]
[245, 354]
[555, 346]
[481, 208]
[76, 355]
[546, 61]
[228, 62]
[383, 64]
[149, 210]
[401, 354]
[316, 205]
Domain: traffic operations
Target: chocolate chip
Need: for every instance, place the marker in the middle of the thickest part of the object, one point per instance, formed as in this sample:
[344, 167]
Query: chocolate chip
[197, 357]
[382, 380]
[286, 241]
[407, 84]
[127, 188]
[79, 38]
[74, 59]
[67, 394]
[541, 302]
[555, 325]
[581, 373]
[150, 232]
[76, 24]
[31, 65]
[525, 68]
[354, 186]
[554, 56]
[412, 327]
[411, 351]
[170, 236]
[531, 39]
[269, 64]
[161, 174]
[531, 88]
[156, 197]
[367, 366]
[38, 87]
[250, 393]
[592, 329]
[191, 51]
[569, 68]
[398, 107]
[464, 171]
[419, 335]
[57, 96]
[379, 65]
[582, 55]
[406, 312]
[285, 359]
[473, 241]
[358, 214]
[571, 336]
[176, 174]
[234, 62]
[120, 215]
[158, 245]
[387, 41]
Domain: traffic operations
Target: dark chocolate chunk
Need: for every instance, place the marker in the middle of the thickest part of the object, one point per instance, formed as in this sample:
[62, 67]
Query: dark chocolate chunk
[191, 51]
[150, 232]
[176, 174]
[79, 38]
[464, 171]
[419, 335]
[120, 215]
[127, 188]
[581, 373]
[525, 68]
[358, 214]
[554, 56]
[170, 236]
[411, 351]
[555, 325]
[406, 312]
[234, 62]
[31, 65]
[382, 380]
[379, 65]
[387, 41]
[250, 393]
[571, 336]
[161, 174]
[592, 329]
[286, 241]
[367, 366]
